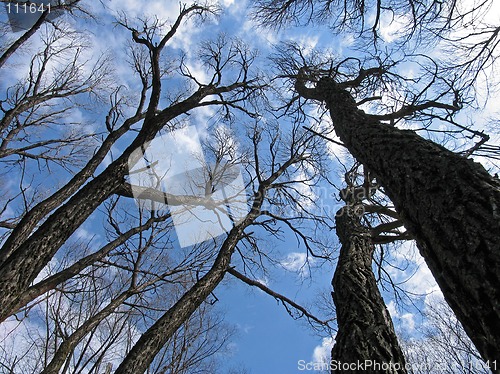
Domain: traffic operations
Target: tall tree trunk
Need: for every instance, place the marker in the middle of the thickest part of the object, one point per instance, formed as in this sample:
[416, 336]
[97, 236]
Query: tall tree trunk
[365, 331]
[448, 203]
[152, 341]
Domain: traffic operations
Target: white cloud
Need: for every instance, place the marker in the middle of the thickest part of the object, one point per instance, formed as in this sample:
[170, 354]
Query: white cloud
[306, 194]
[391, 25]
[405, 321]
[264, 281]
[422, 281]
[408, 321]
[407, 250]
[84, 234]
[166, 12]
[245, 328]
[259, 35]
[417, 278]
[391, 307]
[435, 296]
[158, 8]
[321, 352]
[307, 43]
[297, 262]
[198, 71]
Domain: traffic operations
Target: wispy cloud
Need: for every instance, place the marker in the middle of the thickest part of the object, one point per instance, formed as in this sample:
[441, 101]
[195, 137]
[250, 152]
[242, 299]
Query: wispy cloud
[405, 321]
[321, 352]
[297, 262]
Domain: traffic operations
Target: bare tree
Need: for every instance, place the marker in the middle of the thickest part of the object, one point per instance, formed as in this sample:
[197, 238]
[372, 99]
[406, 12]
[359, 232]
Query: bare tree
[443, 346]
[71, 6]
[285, 157]
[111, 285]
[125, 277]
[428, 184]
[459, 28]
[25, 252]
[415, 18]
[84, 333]
[35, 126]
[448, 203]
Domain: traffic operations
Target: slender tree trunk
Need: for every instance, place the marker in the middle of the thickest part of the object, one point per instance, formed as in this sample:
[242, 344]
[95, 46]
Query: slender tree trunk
[450, 204]
[151, 342]
[365, 331]
[68, 345]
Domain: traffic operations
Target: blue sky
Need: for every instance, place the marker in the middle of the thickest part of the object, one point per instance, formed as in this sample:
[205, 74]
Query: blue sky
[267, 339]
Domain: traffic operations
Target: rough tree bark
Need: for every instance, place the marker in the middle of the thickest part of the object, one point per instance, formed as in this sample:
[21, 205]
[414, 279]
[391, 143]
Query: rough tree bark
[450, 204]
[365, 329]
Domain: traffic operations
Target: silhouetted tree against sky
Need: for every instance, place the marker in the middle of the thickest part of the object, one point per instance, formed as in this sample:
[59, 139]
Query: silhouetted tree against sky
[134, 261]
[71, 6]
[29, 248]
[299, 150]
[35, 105]
[448, 203]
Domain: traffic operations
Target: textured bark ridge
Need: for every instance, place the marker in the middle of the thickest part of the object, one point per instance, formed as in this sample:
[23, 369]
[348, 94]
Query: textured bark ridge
[365, 330]
[450, 204]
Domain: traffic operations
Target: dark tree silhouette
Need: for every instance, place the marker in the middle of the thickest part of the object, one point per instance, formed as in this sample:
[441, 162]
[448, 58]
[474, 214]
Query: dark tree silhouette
[29, 248]
[42, 257]
[147, 347]
[447, 202]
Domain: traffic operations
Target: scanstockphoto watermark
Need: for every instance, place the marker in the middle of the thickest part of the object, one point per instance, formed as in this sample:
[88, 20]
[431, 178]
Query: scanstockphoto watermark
[349, 366]
[373, 365]
[205, 199]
